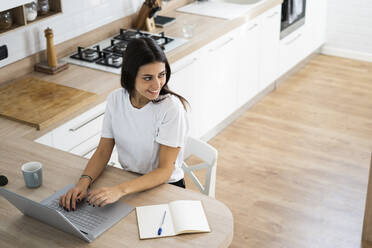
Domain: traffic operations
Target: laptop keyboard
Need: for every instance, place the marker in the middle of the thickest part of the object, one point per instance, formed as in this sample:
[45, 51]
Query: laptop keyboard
[80, 217]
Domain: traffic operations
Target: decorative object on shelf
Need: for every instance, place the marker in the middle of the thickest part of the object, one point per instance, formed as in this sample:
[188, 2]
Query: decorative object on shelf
[43, 6]
[145, 18]
[31, 11]
[6, 20]
[51, 66]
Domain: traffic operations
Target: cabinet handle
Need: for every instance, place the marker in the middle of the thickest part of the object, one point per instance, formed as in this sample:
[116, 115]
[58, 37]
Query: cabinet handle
[252, 27]
[274, 14]
[294, 39]
[90, 149]
[222, 45]
[73, 129]
[184, 66]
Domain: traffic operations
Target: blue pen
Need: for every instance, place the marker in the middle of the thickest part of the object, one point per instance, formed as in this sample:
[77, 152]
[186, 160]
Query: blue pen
[161, 225]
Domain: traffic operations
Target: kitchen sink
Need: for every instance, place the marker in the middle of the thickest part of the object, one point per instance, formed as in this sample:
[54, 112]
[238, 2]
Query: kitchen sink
[243, 2]
[225, 9]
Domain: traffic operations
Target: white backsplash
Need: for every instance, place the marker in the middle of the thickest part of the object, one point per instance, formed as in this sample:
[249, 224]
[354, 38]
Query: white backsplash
[78, 17]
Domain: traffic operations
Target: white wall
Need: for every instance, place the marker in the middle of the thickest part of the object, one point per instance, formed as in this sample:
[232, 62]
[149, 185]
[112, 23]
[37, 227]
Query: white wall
[78, 17]
[349, 29]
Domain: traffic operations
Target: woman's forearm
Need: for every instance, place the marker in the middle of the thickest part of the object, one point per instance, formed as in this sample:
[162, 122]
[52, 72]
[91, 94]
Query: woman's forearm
[99, 160]
[96, 164]
[147, 181]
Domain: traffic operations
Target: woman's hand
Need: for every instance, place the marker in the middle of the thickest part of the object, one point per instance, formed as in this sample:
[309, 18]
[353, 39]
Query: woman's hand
[76, 194]
[104, 196]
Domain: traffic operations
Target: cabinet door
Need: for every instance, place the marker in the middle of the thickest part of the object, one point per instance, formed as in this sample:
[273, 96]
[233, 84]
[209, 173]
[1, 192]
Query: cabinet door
[270, 36]
[292, 50]
[316, 14]
[184, 81]
[248, 62]
[46, 139]
[79, 129]
[218, 97]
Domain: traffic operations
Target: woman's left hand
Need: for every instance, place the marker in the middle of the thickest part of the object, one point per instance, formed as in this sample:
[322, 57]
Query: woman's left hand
[104, 196]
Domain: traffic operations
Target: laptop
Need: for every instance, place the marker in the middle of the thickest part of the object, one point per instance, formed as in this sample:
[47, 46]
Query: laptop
[86, 222]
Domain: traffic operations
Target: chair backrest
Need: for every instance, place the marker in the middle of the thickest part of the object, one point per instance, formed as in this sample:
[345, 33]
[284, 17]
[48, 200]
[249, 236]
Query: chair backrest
[209, 155]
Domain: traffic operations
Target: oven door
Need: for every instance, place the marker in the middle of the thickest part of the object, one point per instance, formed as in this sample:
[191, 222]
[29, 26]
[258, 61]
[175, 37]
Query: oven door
[293, 16]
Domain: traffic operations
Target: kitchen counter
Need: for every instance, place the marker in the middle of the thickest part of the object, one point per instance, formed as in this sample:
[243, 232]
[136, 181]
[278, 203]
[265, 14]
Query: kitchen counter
[102, 83]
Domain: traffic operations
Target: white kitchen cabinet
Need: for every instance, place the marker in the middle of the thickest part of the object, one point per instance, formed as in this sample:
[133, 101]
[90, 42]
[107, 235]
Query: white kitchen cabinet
[185, 81]
[207, 79]
[46, 139]
[292, 50]
[315, 20]
[219, 80]
[306, 39]
[248, 61]
[269, 47]
[88, 147]
[79, 129]
[75, 131]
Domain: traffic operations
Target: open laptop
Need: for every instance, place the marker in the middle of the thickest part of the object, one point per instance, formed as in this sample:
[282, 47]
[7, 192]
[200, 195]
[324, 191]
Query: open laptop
[86, 222]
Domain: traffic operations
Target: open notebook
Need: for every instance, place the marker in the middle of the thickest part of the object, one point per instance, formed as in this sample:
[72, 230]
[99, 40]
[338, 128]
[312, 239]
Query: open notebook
[182, 216]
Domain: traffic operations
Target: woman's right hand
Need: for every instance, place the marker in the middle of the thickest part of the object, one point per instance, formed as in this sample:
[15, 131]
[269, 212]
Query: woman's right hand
[76, 194]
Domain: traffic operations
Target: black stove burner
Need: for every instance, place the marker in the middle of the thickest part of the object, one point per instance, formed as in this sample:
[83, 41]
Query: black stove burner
[127, 35]
[88, 54]
[162, 40]
[117, 47]
[110, 59]
[112, 55]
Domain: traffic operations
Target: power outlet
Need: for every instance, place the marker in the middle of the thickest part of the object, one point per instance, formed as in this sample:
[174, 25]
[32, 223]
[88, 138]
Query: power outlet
[3, 52]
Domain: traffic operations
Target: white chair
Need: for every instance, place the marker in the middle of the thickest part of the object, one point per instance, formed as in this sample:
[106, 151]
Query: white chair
[208, 154]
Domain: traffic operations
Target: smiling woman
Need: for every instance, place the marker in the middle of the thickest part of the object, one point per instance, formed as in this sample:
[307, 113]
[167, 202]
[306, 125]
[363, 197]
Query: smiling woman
[146, 68]
[148, 124]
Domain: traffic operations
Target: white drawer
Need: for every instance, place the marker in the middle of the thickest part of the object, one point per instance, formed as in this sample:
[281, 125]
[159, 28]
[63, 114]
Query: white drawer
[292, 50]
[87, 148]
[46, 139]
[77, 130]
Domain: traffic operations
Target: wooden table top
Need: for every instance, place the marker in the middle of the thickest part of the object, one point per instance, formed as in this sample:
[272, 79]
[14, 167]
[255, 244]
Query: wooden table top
[62, 168]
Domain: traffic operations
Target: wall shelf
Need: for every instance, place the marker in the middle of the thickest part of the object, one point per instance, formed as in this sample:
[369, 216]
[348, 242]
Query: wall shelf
[19, 16]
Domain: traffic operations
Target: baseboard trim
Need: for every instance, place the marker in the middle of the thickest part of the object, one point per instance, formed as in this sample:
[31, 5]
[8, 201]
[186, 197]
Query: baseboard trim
[345, 53]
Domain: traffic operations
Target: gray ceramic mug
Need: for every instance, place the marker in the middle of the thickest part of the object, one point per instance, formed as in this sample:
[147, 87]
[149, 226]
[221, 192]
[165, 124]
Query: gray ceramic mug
[33, 174]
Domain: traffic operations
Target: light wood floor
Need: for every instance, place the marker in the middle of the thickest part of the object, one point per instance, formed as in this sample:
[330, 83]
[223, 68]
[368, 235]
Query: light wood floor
[294, 168]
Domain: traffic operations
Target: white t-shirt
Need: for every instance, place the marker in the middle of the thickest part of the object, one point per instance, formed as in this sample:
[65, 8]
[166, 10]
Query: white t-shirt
[138, 133]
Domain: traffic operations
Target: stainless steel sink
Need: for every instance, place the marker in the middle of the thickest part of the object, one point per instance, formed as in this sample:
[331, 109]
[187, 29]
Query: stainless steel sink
[243, 2]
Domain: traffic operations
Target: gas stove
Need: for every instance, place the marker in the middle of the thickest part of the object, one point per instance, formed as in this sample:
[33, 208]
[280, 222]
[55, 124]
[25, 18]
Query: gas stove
[107, 55]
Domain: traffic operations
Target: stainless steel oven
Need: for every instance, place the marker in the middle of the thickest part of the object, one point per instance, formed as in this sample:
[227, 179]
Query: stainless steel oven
[293, 16]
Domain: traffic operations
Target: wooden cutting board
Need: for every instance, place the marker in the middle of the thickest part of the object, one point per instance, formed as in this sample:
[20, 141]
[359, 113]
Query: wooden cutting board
[40, 103]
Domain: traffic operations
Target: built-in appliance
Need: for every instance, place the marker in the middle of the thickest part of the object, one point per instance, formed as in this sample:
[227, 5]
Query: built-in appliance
[107, 55]
[293, 16]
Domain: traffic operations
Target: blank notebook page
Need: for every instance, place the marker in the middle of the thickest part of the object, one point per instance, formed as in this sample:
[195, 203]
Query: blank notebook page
[189, 216]
[149, 220]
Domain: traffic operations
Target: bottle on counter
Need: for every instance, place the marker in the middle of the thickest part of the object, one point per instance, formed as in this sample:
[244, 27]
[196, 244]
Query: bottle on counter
[31, 11]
